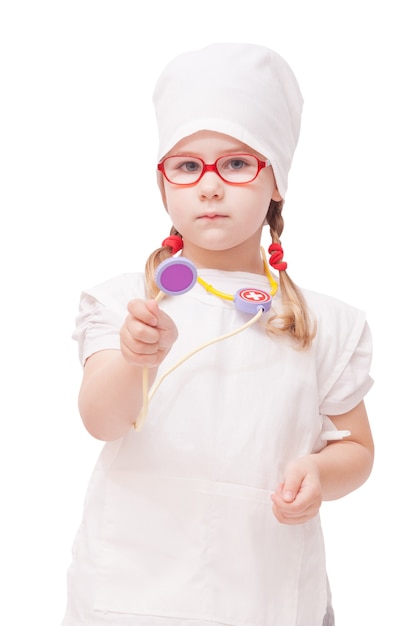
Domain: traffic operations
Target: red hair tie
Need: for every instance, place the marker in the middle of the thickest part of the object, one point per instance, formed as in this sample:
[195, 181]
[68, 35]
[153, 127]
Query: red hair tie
[174, 242]
[277, 254]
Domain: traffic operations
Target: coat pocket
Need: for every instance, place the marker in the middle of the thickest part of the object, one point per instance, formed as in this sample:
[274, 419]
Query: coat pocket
[202, 550]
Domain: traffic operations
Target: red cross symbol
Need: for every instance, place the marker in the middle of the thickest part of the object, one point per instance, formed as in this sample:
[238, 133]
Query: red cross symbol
[254, 295]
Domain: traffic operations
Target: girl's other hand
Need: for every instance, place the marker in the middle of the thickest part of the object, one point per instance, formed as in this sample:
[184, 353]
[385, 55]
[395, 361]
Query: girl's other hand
[338, 469]
[299, 497]
[147, 334]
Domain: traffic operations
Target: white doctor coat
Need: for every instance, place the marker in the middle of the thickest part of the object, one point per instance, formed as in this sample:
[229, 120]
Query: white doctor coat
[178, 528]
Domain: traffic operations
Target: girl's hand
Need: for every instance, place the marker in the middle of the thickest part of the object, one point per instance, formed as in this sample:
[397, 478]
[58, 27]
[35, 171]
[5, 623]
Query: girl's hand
[299, 497]
[147, 334]
[338, 469]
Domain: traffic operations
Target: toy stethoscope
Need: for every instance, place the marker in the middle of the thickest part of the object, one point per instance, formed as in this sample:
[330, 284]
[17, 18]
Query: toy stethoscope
[178, 275]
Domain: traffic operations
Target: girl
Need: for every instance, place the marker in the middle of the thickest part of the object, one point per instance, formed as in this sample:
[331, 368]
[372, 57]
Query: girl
[207, 512]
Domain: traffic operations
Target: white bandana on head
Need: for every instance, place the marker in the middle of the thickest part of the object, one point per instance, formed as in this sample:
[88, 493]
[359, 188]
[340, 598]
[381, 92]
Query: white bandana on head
[246, 91]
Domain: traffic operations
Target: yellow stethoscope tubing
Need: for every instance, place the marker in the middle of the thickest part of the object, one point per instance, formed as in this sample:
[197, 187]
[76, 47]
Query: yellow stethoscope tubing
[229, 296]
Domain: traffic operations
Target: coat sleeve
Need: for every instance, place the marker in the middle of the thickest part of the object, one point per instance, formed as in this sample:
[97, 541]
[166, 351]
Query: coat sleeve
[102, 311]
[343, 348]
[346, 390]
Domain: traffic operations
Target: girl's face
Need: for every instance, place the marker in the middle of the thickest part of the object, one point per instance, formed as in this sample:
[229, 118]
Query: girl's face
[221, 224]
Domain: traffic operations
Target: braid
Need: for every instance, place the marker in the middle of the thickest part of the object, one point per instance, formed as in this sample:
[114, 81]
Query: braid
[275, 219]
[294, 318]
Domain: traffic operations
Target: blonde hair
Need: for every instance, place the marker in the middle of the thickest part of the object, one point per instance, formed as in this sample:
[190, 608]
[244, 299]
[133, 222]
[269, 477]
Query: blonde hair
[294, 318]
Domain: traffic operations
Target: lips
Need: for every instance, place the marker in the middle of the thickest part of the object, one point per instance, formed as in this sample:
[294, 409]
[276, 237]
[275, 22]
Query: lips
[212, 216]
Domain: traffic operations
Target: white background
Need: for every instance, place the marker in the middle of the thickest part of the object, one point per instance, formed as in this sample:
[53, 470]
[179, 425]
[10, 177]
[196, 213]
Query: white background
[79, 204]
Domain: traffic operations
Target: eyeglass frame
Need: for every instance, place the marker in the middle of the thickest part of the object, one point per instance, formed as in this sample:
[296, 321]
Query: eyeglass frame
[212, 167]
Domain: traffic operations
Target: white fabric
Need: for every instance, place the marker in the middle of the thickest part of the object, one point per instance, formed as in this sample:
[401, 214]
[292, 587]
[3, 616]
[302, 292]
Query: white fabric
[178, 527]
[243, 90]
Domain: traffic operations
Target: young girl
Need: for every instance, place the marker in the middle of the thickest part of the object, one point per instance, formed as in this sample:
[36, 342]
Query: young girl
[204, 505]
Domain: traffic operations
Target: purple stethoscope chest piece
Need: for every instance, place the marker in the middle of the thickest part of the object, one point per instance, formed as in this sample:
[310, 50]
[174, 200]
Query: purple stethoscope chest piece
[176, 276]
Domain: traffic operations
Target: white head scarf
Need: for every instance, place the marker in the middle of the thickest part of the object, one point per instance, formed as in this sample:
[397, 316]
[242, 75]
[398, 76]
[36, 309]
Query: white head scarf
[243, 90]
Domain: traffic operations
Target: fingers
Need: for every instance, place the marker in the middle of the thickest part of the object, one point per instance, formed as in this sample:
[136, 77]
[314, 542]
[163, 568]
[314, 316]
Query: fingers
[147, 334]
[298, 498]
[292, 513]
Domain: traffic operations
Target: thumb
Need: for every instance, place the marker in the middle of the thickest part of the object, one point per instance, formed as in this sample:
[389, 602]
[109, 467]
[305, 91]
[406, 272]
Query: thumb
[291, 485]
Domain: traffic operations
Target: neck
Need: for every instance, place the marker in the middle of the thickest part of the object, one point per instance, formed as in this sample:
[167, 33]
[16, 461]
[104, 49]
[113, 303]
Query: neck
[232, 260]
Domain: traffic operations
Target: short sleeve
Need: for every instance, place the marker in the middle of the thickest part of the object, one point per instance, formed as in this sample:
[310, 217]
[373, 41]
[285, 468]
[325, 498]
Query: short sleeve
[354, 381]
[343, 353]
[96, 328]
[102, 311]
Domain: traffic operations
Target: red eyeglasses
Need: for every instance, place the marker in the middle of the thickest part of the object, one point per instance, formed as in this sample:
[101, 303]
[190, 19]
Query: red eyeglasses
[236, 169]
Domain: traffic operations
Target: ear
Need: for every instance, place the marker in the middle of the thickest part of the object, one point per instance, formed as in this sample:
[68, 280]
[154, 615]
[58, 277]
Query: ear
[276, 195]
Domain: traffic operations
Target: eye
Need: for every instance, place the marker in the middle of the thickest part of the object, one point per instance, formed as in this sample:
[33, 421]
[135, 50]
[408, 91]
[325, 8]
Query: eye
[189, 166]
[235, 164]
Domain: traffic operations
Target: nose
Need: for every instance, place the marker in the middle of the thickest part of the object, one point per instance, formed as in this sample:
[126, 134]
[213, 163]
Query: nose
[210, 185]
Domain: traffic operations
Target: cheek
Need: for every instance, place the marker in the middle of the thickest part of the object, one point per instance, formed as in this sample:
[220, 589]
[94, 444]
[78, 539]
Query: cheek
[176, 207]
[172, 202]
[161, 185]
[260, 201]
